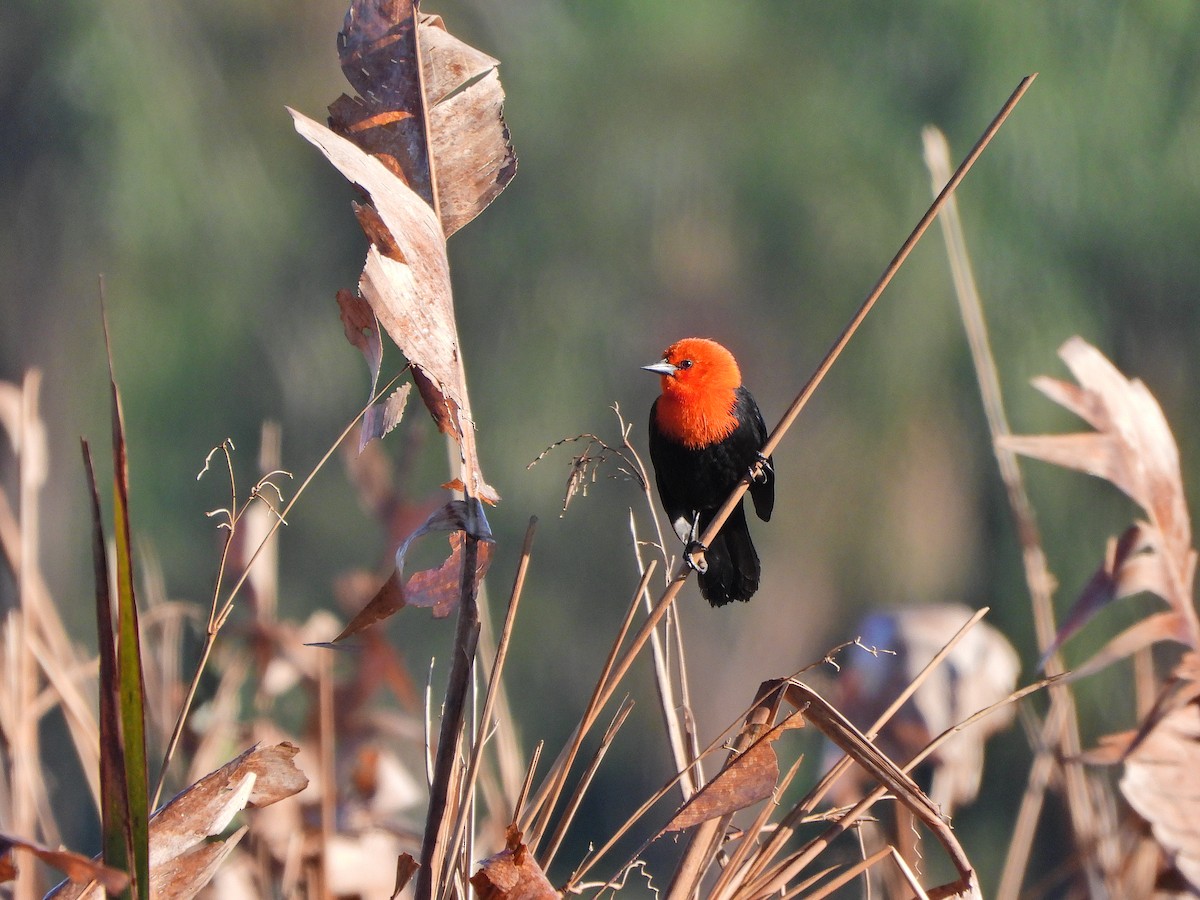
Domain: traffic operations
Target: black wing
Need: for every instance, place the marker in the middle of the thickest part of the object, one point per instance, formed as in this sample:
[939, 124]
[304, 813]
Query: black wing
[762, 492]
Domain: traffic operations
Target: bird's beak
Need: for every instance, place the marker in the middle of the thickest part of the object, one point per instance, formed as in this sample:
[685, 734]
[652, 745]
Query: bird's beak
[662, 367]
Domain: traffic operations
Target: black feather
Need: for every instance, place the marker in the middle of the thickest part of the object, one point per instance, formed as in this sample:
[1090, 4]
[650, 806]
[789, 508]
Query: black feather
[694, 482]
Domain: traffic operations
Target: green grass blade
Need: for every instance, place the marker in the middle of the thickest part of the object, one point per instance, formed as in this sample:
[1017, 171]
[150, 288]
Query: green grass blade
[113, 793]
[131, 687]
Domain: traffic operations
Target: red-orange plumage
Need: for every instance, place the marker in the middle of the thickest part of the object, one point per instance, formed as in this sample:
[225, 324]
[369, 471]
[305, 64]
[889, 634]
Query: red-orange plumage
[696, 406]
[706, 432]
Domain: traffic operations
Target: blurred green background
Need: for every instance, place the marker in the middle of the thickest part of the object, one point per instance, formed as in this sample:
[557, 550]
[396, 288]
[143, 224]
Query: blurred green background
[736, 171]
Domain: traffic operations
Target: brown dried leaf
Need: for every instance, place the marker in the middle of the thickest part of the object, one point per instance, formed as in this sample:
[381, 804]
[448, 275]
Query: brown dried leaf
[512, 874]
[259, 777]
[79, 869]
[1163, 626]
[412, 298]
[473, 159]
[438, 589]
[406, 868]
[191, 871]
[377, 48]
[1134, 449]
[385, 415]
[182, 860]
[1162, 784]
[388, 601]
[745, 780]
[473, 156]
[362, 331]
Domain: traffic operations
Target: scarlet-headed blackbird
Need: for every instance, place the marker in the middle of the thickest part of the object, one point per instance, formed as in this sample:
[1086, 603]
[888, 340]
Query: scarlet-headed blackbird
[706, 432]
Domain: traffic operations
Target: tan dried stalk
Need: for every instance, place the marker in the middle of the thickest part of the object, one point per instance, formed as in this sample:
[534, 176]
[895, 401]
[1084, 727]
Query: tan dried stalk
[1040, 581]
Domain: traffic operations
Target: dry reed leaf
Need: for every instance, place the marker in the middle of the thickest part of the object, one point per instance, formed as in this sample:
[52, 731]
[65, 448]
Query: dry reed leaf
[411, 295]
[1132, 447]
[462, 101]
[745, 780]
[1162, 626]
[78, 868]
[383, 416]
[406, 868]
[1161, 781]
[259, 777]
[437, 589]
[512, 874]
[182, 859]
[473, 157]
[362, 331]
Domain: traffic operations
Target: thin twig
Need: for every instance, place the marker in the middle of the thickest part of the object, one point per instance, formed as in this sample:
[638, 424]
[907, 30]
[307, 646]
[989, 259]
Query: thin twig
[585, 780]
[684, 742]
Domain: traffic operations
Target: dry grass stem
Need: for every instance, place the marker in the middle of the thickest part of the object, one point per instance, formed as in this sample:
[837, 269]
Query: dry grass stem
[1037, 573]
[546, 799]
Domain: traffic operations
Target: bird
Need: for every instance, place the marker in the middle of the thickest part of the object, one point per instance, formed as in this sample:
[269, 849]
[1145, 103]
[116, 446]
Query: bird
[706, 433]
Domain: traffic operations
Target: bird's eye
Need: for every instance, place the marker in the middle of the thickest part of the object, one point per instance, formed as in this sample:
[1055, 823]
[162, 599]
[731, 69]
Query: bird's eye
[685, 364]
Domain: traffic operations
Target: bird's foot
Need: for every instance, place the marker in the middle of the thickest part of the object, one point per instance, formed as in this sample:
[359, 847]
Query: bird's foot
[693, 555]
[762, 470]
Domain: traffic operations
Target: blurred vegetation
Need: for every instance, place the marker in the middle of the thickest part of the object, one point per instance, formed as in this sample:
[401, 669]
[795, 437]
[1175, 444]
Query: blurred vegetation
[738, 172]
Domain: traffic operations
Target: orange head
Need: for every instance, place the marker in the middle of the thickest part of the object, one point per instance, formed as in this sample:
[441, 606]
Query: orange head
[699, 378]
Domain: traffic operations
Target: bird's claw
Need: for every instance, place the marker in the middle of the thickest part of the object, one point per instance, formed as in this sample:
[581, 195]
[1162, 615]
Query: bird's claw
[693, 555]
[762, 470]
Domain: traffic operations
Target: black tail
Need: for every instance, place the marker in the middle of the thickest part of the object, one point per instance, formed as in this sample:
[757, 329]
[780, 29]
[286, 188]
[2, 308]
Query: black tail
[733, 569]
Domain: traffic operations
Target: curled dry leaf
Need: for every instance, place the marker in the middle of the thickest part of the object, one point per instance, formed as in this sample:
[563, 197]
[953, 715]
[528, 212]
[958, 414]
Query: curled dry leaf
[406, 868]
[1162, 783]
[408, 287]
[512, 874]
[456, 91]
[437, 589]
[182, 859]
[185, 875]
[1132, 447]
[362, 331]
[377, 47]
[473, 157]
[746, 779]
[259, 777]
[384, 416]
[78, 868]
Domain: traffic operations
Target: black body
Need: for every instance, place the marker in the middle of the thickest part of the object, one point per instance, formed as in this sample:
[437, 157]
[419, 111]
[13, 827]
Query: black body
[697, 481]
